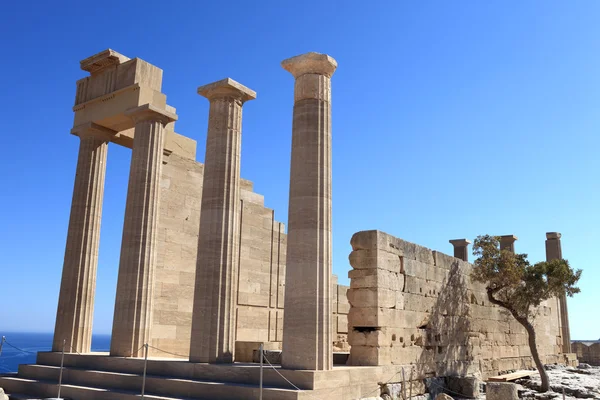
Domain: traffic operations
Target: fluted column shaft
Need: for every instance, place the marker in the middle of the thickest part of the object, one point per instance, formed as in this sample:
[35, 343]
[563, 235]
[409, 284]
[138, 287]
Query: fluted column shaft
[554, 252]
[133, 305]
[307, 336]
[75, 312]
[213, 319]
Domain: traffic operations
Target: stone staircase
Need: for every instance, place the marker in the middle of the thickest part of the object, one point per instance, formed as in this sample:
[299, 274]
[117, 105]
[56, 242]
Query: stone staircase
[95, 378]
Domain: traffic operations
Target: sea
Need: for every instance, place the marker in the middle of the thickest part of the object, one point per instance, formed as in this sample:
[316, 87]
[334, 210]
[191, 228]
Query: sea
[21, 348]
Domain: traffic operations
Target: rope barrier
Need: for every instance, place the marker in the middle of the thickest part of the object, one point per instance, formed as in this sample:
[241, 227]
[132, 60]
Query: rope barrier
[168, 352]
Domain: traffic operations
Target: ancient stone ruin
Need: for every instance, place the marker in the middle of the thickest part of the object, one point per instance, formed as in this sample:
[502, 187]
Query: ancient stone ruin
[206, 272]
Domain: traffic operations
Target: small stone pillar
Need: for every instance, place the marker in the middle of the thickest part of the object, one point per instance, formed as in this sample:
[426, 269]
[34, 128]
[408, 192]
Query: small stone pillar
[554, 252]
[501, 391]
[307, 336]
[77, 289]
[507, 242]
[461, 248]
[213, 318]
[133, 305]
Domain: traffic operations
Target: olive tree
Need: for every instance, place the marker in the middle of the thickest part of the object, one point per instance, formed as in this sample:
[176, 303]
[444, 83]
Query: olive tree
[519, 287]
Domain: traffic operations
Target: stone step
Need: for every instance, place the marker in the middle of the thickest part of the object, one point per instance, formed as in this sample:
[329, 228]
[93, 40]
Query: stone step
[156, 385]
[21, 388]
[224, 373]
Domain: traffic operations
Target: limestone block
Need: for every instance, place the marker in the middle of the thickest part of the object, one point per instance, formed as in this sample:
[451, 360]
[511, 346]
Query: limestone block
[372, 338]
[376, 278]
[375, 258]
[369, 297]
[501, 391]
[415, 285]
[443, 396]
[415, 268]
[342, 324]
[368, 355]
[413, 251]
[365, 240]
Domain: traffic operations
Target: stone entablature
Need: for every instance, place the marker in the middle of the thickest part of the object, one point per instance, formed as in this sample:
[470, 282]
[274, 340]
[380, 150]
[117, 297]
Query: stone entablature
[412, 305]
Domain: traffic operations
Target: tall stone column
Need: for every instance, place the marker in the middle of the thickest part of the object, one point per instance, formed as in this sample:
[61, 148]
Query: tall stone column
[507, 242]
[307, 336]
[461, 248]
[213, 318]
[77, 289]
[133, 305]
[554, 252]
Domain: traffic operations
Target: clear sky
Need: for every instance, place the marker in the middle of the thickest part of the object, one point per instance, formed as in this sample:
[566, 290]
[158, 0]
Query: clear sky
[450, 119]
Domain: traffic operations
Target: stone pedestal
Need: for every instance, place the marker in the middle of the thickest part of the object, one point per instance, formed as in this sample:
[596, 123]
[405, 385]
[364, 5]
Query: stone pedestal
[501, 391]
[307, 336]
[461, 248]
[554, 252]
[133, 305]
[507, 242]
[76, 299]
[213, 319]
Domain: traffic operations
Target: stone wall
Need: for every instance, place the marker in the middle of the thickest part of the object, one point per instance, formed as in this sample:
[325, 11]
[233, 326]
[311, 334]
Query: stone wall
[587, 351]
[260, 274]
[412, 305]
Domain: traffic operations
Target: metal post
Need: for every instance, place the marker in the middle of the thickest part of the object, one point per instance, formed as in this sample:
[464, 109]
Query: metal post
[145, 365]
[2, 344]
[403, 385]
[410, 383]
[62, 363]
[260, 350]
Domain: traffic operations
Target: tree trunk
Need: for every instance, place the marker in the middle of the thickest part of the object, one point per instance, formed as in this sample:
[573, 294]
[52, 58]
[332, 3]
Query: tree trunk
[530, 335]
[534, 353]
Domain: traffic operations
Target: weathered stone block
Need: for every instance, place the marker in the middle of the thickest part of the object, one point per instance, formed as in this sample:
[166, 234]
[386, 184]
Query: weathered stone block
[501, 391]
[375, 259]
[369, 297]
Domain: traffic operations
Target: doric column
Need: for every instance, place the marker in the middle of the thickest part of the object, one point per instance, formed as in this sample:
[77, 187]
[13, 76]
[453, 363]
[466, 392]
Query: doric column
[507, 242]
[213, 319]
[76, 299]
[307, 336]
[554, 252]
[461, 248]
[133, 305]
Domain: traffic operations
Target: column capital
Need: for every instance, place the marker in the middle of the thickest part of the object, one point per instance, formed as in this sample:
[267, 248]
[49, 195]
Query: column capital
[227, 88]
[508, 238]
[151, 112]
[310, 63]
[91, 129]
[553, 235]
[460, 242]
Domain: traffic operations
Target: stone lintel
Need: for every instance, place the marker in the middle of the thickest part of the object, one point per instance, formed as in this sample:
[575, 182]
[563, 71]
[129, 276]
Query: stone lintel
[100, 61]
[460, 242]
[227, 88]
[310, 63]
[149, 111]
[94, 130]
[553, 235]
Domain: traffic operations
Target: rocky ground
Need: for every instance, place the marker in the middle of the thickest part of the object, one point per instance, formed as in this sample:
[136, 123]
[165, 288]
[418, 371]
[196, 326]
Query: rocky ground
[578, 383]
[582, 382]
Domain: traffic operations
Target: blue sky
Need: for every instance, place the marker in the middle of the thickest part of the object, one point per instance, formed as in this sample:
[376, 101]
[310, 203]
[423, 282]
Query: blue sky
[450, 119]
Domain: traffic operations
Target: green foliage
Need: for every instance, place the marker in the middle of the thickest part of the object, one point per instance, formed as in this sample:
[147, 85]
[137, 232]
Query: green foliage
[516, 284]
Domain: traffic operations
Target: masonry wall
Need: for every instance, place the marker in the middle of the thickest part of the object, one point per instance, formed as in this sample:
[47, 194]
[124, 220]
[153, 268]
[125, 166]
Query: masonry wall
[412, 305]
[587, 352]
[260, 273]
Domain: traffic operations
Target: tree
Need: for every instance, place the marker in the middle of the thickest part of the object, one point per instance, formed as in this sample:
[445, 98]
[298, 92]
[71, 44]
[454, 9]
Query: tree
[519, 287]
